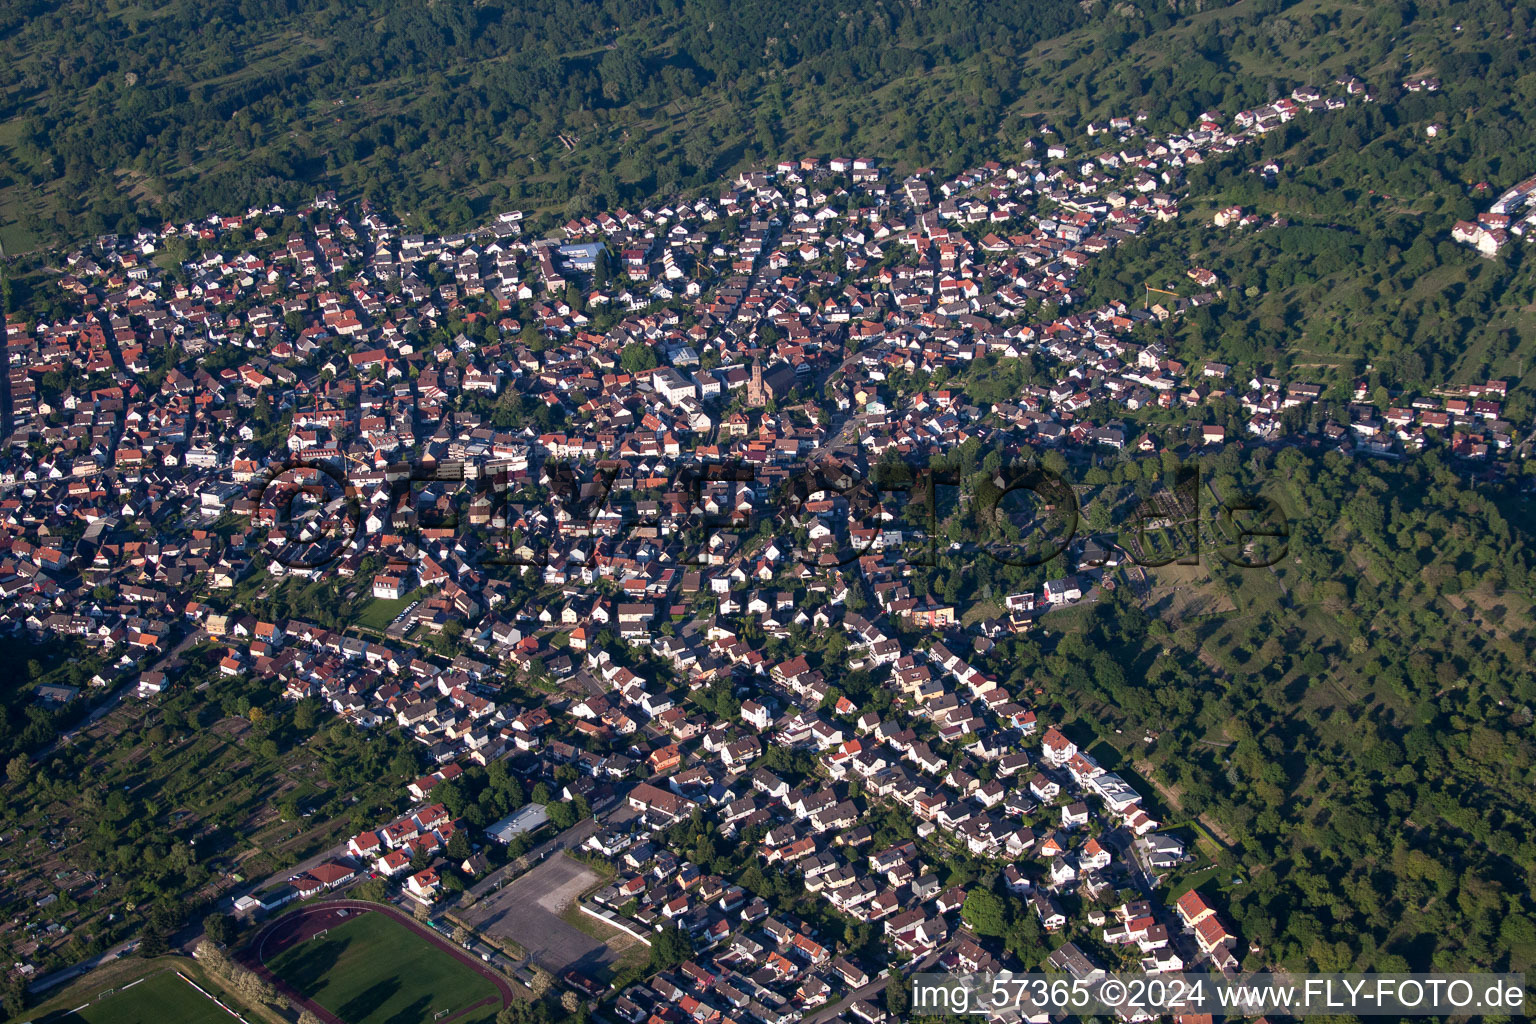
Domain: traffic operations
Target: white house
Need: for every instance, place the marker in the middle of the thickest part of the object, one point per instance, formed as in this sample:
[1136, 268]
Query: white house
[1063, 590]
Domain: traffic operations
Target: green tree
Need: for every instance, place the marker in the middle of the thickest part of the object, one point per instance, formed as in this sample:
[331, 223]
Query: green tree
[636, 357]
[561, 815]
[670, 948]
[220, 928]
[374, 890]
[897, 1000]
[153, 943]
[304, 715]
[13, 994]
[983, 912]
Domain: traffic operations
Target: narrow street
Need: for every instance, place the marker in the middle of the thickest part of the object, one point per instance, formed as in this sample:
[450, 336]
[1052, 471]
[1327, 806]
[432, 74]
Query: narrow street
[570, 839]
[59, 977]
[877, 986]
[113, 699]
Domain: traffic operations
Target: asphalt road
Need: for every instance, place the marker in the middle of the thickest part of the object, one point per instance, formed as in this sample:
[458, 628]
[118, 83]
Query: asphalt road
[334, 853]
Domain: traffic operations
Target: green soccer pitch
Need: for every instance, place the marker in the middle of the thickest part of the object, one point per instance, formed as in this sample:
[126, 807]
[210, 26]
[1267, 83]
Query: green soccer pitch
[372, 969]
[163, 998]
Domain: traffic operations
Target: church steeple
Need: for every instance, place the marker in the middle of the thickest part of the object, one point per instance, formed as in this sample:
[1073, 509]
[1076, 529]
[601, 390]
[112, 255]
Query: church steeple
[755, 392]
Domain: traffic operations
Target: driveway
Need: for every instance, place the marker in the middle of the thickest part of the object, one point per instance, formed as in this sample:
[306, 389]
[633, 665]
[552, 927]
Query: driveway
[527, 911]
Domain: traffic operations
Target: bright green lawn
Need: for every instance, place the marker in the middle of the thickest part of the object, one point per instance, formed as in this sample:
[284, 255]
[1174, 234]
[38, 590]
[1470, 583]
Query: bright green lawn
[380, 612]
[159, 999]
[374, 970]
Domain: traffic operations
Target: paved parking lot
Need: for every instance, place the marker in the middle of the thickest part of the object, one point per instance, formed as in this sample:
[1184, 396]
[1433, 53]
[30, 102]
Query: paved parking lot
[527, 911]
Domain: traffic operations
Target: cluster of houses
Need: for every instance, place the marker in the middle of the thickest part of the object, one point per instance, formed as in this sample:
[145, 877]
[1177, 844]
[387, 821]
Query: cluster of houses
[446, 422]
[168, 402]
[1055, 821]
[1511, 215]
[408, 850]
[767, 971]
[416, 838]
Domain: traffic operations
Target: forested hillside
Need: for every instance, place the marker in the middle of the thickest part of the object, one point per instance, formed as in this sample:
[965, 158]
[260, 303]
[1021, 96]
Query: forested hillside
[115, 114]
[1356, 721]
[111, 111]
[180, 108]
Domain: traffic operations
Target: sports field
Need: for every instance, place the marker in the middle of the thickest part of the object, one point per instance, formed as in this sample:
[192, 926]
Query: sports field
[163, 998]
[372, 969]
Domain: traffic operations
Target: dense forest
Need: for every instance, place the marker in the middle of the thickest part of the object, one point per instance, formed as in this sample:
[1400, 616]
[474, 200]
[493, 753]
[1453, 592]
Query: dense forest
[1357, 720]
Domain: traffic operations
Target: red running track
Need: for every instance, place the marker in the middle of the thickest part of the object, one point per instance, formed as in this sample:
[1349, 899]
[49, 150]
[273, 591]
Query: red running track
[305, 923]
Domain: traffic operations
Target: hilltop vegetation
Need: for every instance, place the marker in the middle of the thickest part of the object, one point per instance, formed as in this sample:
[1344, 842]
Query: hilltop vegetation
[154, 110]
[444, 111]
[1361, 280]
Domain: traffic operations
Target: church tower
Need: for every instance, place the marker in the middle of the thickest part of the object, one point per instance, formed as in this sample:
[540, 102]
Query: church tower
[755, 393]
